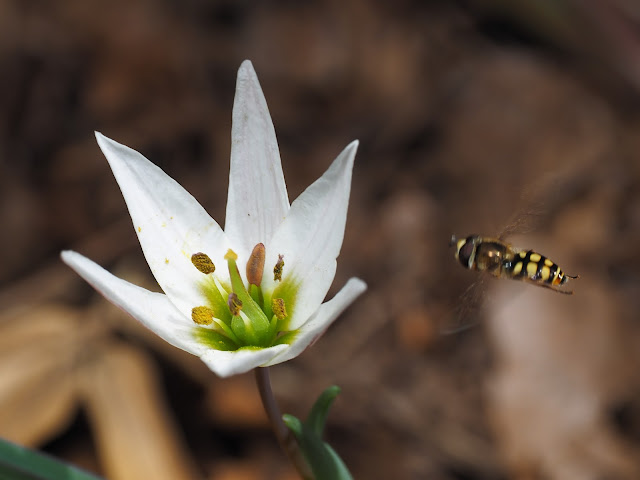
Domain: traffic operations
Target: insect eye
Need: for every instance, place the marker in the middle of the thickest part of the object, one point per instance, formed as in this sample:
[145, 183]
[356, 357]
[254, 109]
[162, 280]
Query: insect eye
[465, 252]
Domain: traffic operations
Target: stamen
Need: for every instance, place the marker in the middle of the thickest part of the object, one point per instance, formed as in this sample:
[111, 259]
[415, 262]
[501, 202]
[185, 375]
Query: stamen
[202, 315]
[235, 304]
[205, 316]
[203, 263]
[277, 270]
[255, 265]
[226, 330]
[279, 308]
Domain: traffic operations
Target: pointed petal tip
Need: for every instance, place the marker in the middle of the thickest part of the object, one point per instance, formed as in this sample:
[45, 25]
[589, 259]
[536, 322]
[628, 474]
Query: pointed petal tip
[349, 152]
[101, 139]
[352, 148]
[77, 261]
[246, 64]
[246, 70]
[106, 144]
[357, 286]
[68, 256]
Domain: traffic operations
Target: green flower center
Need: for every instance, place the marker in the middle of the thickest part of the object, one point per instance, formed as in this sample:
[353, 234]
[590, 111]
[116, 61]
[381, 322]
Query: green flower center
[236, 317]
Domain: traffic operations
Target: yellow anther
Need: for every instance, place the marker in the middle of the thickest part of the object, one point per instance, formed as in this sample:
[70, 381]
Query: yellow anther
[203, 263]
[277, 270]
[202, 315]
[255, 265]
[230, 255]
[279, 308]
[235, 304]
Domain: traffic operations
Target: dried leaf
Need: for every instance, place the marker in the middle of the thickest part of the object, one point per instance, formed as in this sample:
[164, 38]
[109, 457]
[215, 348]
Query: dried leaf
[37, 392]
[132, 425]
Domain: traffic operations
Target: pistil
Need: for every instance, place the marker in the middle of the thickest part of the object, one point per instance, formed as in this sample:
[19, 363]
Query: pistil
[249, 323]
[255, 269]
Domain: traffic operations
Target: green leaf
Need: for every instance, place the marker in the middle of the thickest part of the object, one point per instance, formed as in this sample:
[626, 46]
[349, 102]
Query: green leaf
[318, 414]
[20, 463]
[325, 463]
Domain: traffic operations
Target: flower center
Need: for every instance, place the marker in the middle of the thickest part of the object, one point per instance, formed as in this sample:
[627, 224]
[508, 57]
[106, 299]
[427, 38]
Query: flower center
[239, 317]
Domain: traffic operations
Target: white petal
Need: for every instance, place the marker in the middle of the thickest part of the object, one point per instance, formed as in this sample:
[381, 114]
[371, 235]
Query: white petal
[257, 200]
[311, 236]
[225, 364]
[170, 223]
[321, 320]
[153, 310]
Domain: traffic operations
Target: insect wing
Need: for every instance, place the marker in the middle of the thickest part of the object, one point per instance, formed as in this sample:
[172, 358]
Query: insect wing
[468, 312]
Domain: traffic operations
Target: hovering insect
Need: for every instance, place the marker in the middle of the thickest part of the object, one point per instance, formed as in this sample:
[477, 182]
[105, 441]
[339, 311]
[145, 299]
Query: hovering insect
[492, 255]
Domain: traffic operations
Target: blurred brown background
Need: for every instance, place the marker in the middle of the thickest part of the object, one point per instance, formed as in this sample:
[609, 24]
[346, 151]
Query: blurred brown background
[470, 114]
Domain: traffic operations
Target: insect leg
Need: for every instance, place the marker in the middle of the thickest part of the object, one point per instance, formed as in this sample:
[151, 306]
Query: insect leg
[551, 287]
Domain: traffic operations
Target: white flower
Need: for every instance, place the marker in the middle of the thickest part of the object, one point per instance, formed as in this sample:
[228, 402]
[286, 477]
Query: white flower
[234, 321]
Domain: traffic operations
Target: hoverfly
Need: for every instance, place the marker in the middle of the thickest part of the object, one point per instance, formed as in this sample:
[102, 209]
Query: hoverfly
[500, 259]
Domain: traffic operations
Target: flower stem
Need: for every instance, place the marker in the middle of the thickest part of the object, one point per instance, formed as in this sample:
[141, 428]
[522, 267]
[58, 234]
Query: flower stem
[285, 437]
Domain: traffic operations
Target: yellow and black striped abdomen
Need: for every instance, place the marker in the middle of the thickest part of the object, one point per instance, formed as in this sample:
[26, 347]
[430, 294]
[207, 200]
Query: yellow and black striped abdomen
[497, 258]
[531, 266]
